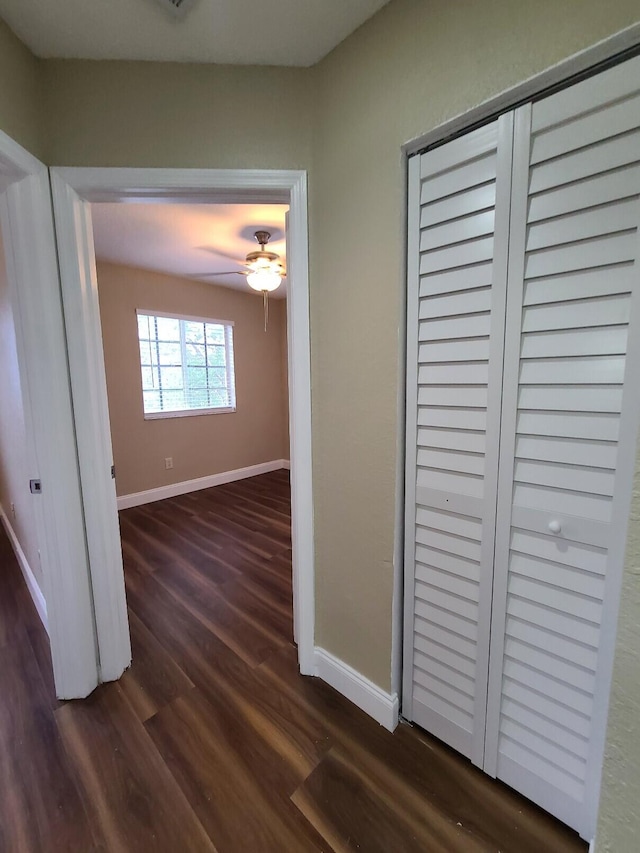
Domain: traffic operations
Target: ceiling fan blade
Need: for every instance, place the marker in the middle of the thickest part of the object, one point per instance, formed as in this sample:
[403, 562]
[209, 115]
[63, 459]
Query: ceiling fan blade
[212, 250]
[224, 272]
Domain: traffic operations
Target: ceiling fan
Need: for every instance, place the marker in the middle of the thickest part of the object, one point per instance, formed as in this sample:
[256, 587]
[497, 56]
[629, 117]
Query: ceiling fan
[264, 270]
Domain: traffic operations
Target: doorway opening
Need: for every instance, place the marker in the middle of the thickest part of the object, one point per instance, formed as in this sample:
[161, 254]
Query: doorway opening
[196, 377]
[74, 191]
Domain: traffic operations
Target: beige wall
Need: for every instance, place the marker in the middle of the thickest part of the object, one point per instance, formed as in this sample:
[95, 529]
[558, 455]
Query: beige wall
[19, 92]
[155, 114]
[203, 444]
[619, 817]
[14, 470]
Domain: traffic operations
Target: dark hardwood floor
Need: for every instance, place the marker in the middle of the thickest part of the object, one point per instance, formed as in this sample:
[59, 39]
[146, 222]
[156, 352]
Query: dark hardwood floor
[212, 741]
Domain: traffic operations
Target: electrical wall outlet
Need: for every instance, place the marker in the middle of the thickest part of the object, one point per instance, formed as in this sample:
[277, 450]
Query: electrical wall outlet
[168, 462]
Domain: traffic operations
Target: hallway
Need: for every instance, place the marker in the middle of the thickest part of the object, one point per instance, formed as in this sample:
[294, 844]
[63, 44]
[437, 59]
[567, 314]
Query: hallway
[212, 741]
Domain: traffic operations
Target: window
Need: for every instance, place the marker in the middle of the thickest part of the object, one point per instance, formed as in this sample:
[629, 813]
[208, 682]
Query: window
[187, 365]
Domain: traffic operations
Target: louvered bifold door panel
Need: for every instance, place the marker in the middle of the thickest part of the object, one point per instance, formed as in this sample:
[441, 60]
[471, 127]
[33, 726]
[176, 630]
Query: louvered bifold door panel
[458, 216]
[570, 401]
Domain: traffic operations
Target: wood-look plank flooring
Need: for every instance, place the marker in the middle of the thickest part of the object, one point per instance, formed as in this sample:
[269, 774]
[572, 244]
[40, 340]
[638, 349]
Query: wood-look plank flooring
[212, 741]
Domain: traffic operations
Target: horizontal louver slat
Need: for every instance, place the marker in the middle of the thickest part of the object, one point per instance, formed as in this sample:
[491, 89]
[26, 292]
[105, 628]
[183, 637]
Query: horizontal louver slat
[566, 648]
[479, 171]
[559, 735]
[450, 281]
[591, 192]
[447, 460]
[586, 130]
[595, 341]
[446, 654]
[428, 633]
[596, 454]
[611, 249]
[449, 711]
[467, 302]
[459, 546]
[448, 562]
[600, 427]
[586, 163]
[452, 418]
[553, 774]
[610, 311]
[448, 583]
[579, 285]
[569, 477]
[585, 97]
[459, 231]
[551, 665]
[547, 708]
[589, 580]
[460, 373]
[452, 439]
[608, 370]
[569, 398]
[556, 501]
[460, 204]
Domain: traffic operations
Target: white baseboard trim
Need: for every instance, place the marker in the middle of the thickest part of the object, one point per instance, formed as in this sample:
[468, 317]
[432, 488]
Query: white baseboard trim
[25, 568]
[175, 489]
[592, 845]
[286, 463]
[383, 707]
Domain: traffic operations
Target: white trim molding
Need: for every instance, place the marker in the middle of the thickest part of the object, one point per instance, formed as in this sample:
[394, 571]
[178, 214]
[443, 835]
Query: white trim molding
[72, 189]
[370, 698]
[27, 572]
[172, 490]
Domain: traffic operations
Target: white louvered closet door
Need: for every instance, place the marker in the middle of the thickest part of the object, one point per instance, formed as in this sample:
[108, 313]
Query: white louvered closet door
[459, 211]
[570, 414]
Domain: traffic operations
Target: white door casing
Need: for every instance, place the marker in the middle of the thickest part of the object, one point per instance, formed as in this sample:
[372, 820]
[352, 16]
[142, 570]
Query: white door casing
[28, 233]
[73, 189]
[93, 435]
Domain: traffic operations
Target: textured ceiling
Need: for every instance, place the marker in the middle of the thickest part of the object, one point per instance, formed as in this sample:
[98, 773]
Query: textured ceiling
[240, 32]
[187, 240]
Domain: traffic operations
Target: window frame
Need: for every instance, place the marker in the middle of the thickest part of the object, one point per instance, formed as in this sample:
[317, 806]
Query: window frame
[228, 326]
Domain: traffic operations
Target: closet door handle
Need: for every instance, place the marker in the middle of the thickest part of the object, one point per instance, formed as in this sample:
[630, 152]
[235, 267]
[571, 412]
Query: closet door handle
[555, 526]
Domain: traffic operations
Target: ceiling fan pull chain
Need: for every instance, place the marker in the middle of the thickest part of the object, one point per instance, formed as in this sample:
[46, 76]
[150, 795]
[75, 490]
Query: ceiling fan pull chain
[265, 296]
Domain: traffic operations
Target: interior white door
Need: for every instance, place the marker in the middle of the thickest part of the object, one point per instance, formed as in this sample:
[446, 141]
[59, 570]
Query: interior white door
[79, 286]
[458, 238]
[28, 234]
[570, 416]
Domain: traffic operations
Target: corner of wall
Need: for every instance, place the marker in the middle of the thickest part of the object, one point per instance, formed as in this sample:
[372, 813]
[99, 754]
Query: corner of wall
[32, 585]
[21, 102]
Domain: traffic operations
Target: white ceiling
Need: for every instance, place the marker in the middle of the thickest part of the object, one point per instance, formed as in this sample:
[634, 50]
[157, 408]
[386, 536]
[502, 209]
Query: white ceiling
[188, 240]
[239, 32]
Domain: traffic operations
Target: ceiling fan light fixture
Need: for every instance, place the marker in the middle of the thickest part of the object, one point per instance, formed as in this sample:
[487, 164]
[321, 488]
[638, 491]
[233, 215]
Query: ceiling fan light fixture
[264, 279]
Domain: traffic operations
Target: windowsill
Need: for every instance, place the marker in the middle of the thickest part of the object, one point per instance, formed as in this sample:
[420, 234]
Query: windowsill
[187, 413]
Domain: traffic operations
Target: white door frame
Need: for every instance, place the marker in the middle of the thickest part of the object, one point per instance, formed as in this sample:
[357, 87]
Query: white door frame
[32, 271]
[72, 189]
